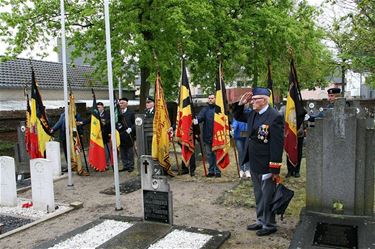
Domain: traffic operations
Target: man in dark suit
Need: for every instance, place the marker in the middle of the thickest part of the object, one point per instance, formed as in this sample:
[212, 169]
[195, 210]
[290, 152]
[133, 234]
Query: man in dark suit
[127, 131]
[264, 150]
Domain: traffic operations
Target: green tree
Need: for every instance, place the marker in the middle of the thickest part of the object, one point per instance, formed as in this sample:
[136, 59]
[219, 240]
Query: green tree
[151, 35]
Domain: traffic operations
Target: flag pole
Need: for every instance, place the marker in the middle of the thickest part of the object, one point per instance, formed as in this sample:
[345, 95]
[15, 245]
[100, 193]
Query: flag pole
[67, 128]
[111, 104]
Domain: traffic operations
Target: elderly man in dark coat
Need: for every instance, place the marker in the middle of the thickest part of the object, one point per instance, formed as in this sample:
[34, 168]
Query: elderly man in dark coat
[264, 150]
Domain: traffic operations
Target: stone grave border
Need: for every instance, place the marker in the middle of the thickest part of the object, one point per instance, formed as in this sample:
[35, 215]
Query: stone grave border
[55, 214]
[218, 237]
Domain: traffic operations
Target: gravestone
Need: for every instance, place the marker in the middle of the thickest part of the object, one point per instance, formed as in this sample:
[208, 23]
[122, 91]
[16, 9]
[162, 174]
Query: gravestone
[8, 189]
[42, 184]
[156, 194]
[53, 154]
[22, 159]
[144, 128]
[340, 157]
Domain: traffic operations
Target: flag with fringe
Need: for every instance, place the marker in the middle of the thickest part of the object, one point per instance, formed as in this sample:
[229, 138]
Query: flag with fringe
[161, 125]
[184, 130]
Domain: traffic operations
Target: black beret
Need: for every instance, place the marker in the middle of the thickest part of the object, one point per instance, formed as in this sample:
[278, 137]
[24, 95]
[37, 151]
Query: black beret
[333, 90]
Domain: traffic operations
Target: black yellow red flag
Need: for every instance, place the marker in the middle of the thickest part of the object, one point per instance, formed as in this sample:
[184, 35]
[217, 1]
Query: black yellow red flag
[294, 115]
[184, 130]
[220, 138]
[97, 158]
[161, 125]
[39, 128]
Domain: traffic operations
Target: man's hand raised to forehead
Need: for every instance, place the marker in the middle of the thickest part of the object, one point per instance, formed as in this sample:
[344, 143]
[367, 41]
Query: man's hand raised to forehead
[245, 98]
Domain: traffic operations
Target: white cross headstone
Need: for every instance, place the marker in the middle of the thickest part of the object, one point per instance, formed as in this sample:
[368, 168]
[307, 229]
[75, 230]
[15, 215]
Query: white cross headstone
[42, 184]
[8, 189]
[53, 154]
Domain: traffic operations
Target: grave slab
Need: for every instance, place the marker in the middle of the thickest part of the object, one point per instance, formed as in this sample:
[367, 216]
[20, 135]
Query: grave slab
[141, 235]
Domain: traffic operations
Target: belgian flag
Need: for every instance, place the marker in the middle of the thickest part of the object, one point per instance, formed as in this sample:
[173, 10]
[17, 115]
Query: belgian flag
[220, 138]
[294, 115]
[184, 130]
[39, 128]
[97, 158]
[161, 124]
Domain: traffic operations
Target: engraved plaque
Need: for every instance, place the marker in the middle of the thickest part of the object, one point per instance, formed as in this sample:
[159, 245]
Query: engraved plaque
[336, 236]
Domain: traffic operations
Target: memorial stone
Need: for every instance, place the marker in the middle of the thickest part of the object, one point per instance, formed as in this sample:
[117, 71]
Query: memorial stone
[157, 197]
[42, 184]
[22, 159]
[340, 158]
[53, 154]
[8, 189]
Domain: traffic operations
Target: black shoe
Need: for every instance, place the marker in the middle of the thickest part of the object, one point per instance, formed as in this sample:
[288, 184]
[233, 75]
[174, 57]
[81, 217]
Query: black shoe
[130, 170]
[296, 175]
[264, 232]
[210, 175]
[254, 227]
[183, 172]
[64, 170]
[192, 173]
[218, 175]
[121, 170]
[288, 175]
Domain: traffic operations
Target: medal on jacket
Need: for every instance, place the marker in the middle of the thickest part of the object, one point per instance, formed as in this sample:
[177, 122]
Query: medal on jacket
[263, 133]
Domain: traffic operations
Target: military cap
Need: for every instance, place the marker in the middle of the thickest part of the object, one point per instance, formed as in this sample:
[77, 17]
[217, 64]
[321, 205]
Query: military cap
[333, 90]
[149, 98]
[261, 91]
[125, 99]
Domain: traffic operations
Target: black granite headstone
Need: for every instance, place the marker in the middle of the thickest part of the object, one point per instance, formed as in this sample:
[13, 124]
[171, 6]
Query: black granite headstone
[336, 235]
[156, 206]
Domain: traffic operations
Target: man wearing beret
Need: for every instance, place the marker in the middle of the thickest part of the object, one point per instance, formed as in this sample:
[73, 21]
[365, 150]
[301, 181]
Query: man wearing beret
[333, 93]
[150, 110]
[264, 150]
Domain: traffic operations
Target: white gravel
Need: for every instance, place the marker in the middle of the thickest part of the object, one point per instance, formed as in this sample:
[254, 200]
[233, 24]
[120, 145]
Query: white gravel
[182, 239]
[26, 212]
[95, 236]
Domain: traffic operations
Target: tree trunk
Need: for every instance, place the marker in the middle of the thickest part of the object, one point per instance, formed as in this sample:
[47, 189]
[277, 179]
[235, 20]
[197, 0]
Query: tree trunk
[145, 87]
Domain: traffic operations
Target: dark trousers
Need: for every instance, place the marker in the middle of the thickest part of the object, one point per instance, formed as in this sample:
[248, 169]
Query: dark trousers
[127, 157]
[295, 169]
[264, 191]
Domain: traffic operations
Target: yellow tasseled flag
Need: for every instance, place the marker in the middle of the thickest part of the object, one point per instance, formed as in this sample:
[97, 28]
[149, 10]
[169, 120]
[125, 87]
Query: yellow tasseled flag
[160, 137]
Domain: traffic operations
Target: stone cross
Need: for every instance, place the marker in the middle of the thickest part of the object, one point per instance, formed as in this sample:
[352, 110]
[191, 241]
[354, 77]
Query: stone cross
[8, 188]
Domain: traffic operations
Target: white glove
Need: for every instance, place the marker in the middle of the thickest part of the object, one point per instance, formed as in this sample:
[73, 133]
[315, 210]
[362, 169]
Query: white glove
[129, 130]
[195, 121]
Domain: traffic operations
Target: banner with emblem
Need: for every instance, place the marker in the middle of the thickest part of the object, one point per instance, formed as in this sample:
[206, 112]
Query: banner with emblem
[220, 138]
[294, 115]
[161, 124]
[184, 130]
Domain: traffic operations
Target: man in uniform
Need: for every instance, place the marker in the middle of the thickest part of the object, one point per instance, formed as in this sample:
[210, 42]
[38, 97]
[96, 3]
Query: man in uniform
[263, 150]
[333, 93]
[150, 110]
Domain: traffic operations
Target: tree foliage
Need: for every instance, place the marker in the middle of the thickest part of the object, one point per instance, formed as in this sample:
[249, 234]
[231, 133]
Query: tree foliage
[151, 35]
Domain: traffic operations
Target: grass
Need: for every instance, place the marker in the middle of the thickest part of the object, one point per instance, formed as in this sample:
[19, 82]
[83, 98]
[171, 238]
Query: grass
[6, 148]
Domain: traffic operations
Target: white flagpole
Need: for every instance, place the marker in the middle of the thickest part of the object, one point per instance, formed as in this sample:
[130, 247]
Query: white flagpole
[111, 104]
[67, 128]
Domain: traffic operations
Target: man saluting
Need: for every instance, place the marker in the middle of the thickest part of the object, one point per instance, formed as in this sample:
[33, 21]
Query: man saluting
[263, 150]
